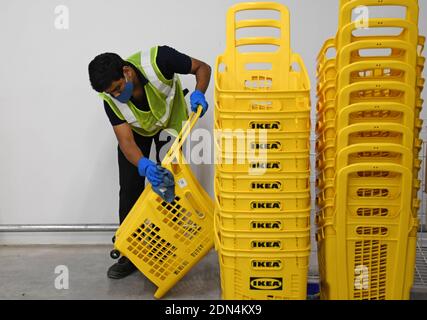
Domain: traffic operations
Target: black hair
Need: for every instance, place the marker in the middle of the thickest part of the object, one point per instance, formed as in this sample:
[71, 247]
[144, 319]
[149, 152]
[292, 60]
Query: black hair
[104, 69]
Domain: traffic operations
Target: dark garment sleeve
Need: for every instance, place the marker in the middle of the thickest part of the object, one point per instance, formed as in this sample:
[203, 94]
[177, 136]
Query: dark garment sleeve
[171, 61]
[114, 119]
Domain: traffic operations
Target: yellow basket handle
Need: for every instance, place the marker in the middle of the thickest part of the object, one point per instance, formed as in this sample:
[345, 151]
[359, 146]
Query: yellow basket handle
[328, 44]
[296, 58]
[175, 149]
[345, 35]
[282, 42]
[347, 6]
[343, 155]
[282, 24]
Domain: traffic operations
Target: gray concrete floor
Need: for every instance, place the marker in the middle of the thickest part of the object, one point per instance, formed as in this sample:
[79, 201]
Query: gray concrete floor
[28, 272]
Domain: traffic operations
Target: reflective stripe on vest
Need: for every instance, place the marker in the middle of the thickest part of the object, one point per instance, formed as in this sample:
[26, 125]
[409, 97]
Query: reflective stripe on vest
[126, 112]
[130, 117]
[152, 77]
[151, 74]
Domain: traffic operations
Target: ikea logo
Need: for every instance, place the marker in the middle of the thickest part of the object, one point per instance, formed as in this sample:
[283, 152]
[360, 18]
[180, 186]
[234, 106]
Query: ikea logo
[274, 125]
[266, 264]
[266, 244]
[272, 185]
[266, 225]
[265, 165]
[266, 283]
[266, 146]
[265, 205]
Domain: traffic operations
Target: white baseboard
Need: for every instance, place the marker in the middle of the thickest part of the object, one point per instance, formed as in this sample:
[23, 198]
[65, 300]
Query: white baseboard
[28, 238]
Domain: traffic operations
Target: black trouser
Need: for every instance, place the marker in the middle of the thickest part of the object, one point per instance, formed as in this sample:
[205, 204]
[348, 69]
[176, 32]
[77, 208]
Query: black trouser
[131, 183]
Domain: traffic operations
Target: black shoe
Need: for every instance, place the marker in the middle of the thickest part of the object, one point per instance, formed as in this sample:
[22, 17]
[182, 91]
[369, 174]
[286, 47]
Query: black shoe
[121, 269]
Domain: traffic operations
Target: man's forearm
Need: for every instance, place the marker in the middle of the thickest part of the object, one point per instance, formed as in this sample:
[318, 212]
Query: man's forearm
[203, 76]
[131, 151]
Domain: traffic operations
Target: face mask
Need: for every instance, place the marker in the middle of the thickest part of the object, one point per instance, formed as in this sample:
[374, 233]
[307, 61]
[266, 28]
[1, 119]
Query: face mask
[124, 97]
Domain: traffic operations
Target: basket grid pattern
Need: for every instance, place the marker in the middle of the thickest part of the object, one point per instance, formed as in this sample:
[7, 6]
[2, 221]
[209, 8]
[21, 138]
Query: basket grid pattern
[371, 254]
[147, 245]
[179, 219]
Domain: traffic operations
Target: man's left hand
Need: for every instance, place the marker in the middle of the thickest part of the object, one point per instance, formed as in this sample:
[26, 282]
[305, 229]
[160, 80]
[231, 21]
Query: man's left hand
[197, 98]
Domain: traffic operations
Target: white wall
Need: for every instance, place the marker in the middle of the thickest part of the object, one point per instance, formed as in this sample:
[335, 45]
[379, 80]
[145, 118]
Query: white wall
[58, 151]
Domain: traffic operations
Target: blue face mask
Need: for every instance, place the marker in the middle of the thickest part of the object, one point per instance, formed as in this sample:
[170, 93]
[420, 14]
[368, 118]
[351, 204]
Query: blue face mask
[124, 97]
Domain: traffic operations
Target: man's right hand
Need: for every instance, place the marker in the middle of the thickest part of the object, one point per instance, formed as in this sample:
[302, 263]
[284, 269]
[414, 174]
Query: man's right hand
[149, 169]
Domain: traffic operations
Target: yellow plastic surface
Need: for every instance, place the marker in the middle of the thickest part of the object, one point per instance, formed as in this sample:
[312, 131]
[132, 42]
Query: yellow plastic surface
[254, 142]
[263, 202]
[231, 221]
[241, 162]
[271, 121]
[266, 183]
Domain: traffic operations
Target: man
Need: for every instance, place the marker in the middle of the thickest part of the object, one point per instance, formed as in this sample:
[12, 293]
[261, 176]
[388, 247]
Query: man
[142, 96]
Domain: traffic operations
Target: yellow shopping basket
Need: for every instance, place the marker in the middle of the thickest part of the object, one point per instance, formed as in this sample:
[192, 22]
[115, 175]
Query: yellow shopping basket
[258, 92]
[258, 164]
[271, 121]
[371, 91]
[266, 183]
[368, 51]
[380, 70]
[365, 133]
[263, 202]
[263, 241]
[261, 142]
[372, 50]
[240, 221]
[375, 270]
[375, 31]
[389, 112]
[263, 276]
[366, 240]
[165, 240]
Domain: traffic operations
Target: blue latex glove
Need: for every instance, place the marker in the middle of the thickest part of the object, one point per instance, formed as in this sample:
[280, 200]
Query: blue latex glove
[166, 189]
[198, 98]
[149, 169]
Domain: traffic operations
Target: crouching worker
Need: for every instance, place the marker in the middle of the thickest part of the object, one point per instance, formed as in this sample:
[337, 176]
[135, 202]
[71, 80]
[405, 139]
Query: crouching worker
[142, 96]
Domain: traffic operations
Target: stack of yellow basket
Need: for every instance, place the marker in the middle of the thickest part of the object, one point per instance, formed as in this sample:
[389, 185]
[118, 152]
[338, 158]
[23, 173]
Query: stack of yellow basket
[369, 103]
[262, 191]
